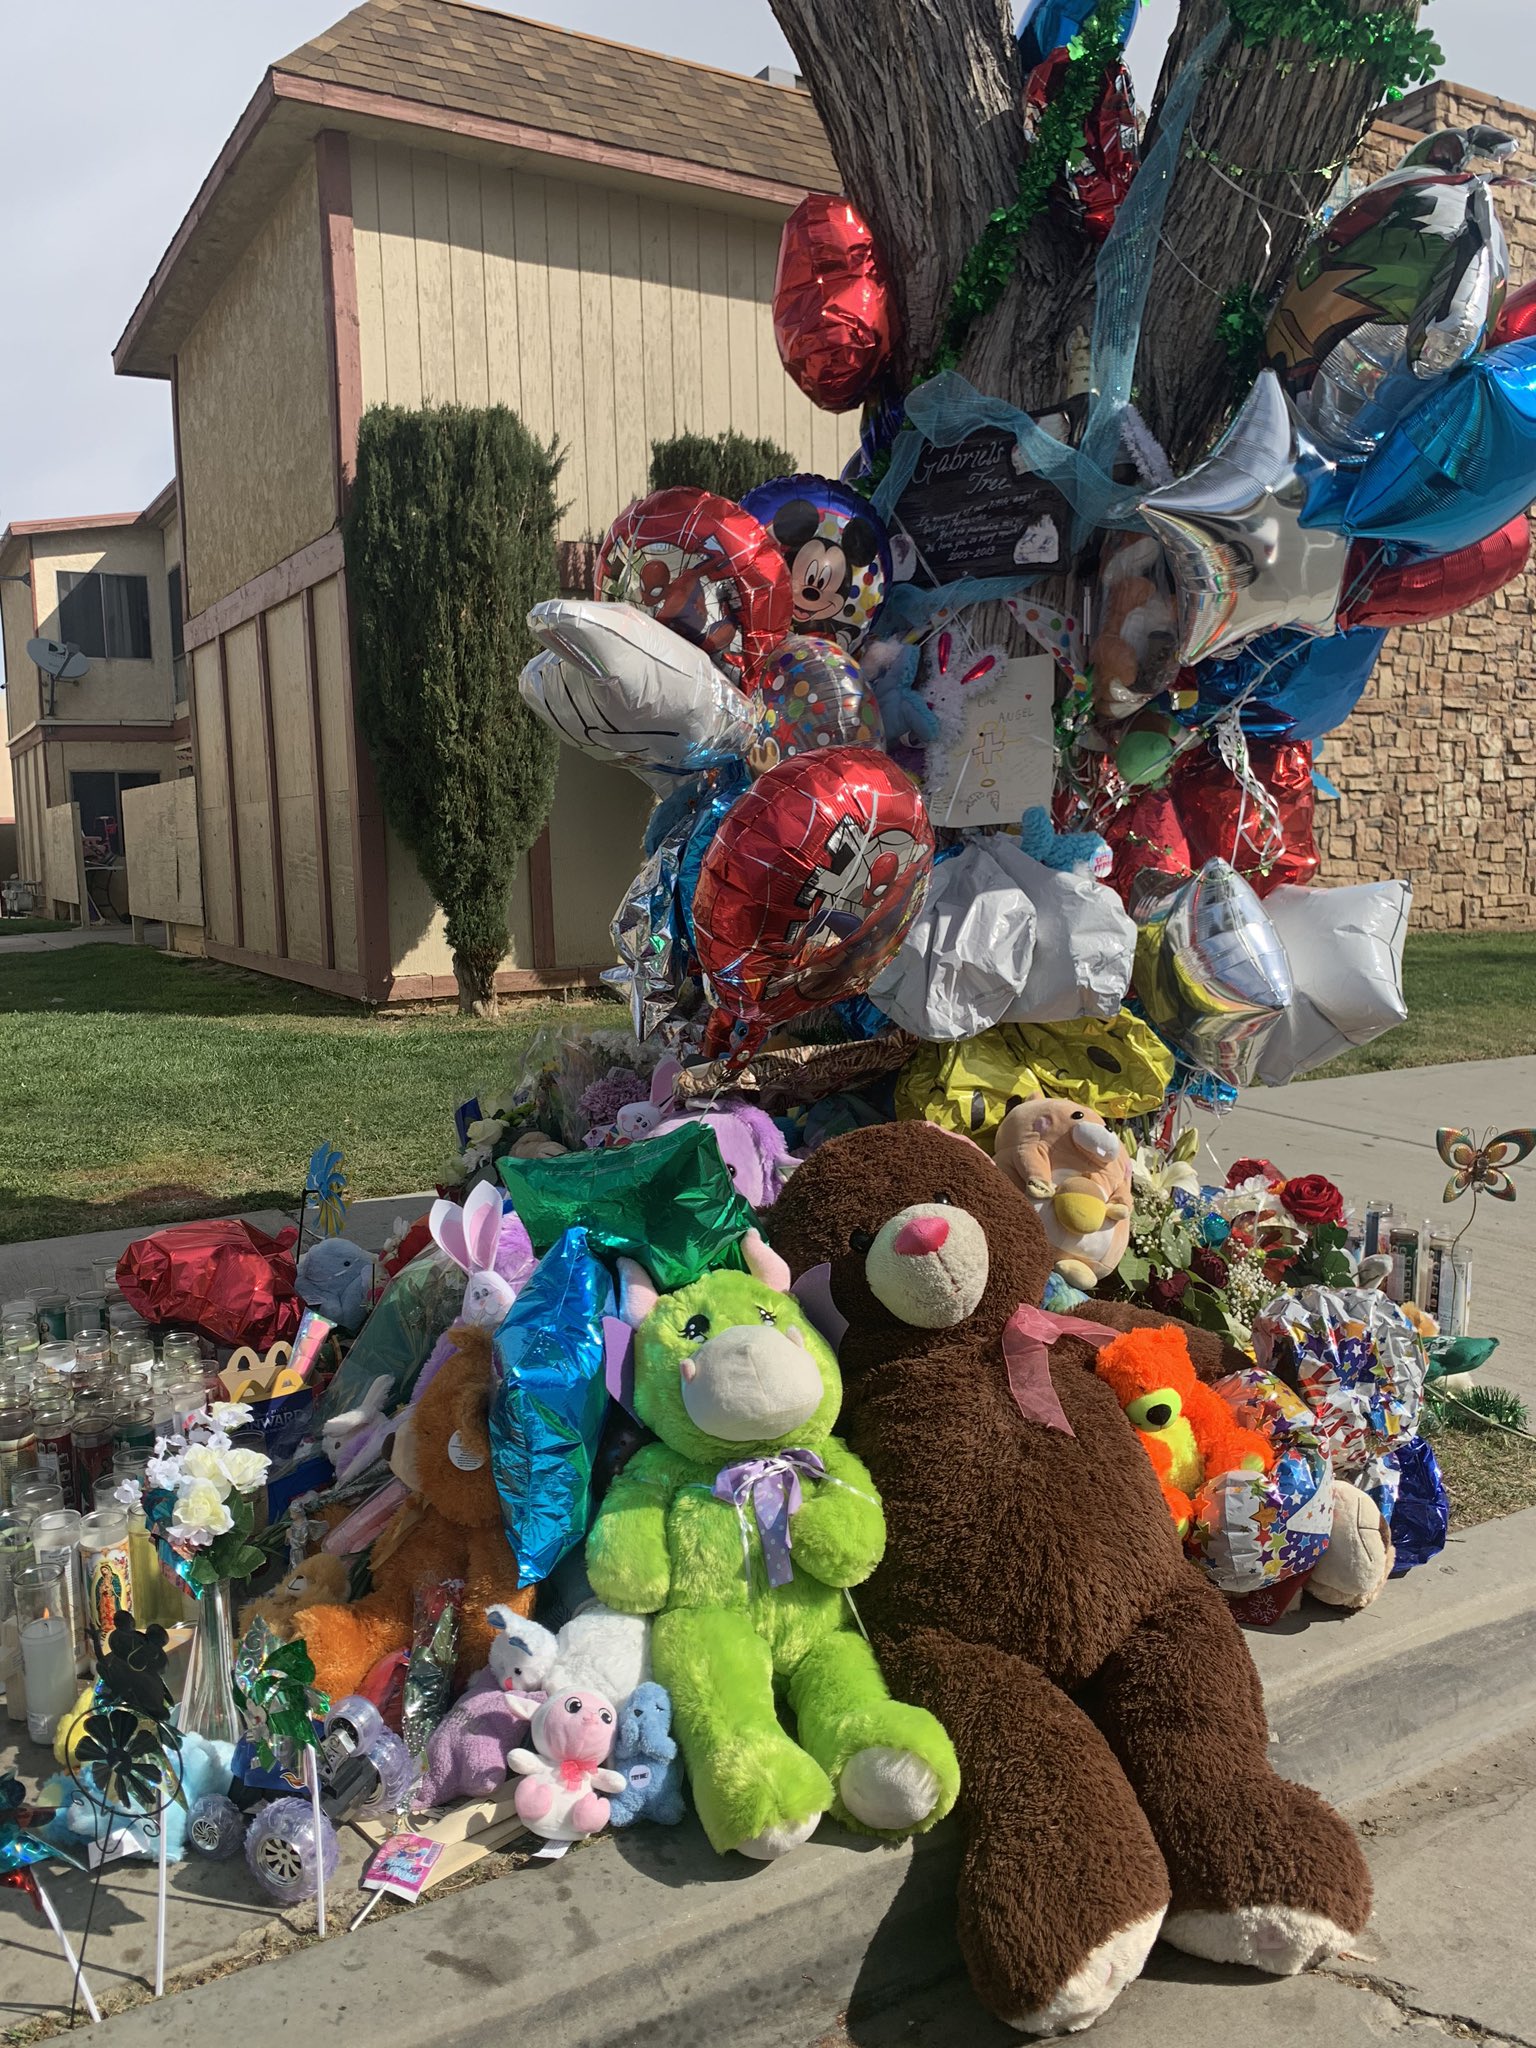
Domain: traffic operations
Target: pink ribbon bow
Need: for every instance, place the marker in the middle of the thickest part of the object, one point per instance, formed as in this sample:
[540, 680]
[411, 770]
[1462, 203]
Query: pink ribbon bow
[1027, 1340]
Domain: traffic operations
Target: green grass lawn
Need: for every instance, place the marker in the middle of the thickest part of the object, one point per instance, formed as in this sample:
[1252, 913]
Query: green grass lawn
[136, 1088]
[139, 1088]
[1471, 996]
[22, 927]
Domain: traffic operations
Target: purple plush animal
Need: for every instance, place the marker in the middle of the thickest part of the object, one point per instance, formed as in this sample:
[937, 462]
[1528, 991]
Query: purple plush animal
[467, 1752]
[751, 1144]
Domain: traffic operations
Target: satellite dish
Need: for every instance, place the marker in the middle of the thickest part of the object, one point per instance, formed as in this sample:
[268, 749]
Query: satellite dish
[58, 659]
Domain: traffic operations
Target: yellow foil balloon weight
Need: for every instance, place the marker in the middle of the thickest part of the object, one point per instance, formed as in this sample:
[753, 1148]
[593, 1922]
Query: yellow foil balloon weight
[1118, 1066]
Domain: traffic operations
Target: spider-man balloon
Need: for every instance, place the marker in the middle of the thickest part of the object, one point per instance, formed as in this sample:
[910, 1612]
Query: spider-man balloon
[809, 884]
[704, 567]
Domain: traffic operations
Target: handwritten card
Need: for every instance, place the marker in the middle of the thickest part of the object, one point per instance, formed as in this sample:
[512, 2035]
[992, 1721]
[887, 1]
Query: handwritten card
[1002, 759]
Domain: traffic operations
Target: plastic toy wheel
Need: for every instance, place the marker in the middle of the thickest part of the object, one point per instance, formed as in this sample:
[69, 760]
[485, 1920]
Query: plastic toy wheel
[393, 1762]
[215, 1826]
[281, 1850]
[360, 1715]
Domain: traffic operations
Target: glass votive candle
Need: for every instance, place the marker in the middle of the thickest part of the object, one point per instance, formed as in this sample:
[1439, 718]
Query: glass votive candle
[53, 1317]
[106, 1567]
[86, 1315]
[56, 1540]
[47, 1647]
[182, 1347]
[36, 1493]
[18, 1444]
[56, 1361]
[133, 1351]
[93, 1353]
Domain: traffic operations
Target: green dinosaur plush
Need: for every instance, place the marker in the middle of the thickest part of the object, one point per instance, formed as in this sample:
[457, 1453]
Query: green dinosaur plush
[730, 1374]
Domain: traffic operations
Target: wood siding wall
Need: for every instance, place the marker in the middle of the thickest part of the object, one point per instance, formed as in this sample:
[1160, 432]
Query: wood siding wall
[253, 405]
[272, 714]
[160, 844]
[601, 316]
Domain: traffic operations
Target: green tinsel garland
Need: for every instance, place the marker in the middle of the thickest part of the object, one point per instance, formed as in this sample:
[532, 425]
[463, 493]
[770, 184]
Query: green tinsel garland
[993, 261]
[1399, 53]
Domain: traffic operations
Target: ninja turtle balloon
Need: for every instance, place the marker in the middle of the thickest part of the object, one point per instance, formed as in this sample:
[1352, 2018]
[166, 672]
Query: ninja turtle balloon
[1410, 273]
[838, 552]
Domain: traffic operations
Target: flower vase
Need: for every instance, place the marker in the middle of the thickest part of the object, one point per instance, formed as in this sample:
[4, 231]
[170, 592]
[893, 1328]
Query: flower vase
[208, 1701]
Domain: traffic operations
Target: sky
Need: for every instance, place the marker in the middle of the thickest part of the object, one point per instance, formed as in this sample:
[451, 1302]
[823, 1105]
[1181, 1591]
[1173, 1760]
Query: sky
[101, 156]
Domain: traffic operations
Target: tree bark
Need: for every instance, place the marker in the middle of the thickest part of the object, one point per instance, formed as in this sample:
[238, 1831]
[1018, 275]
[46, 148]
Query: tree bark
[920, 101]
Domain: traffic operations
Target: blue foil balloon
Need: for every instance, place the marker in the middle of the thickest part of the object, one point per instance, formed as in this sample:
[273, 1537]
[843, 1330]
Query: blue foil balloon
[734, 777]
[1048, 24]
[1303, 686]
[547, 1400]
[1455, 468]
[1421, 1518]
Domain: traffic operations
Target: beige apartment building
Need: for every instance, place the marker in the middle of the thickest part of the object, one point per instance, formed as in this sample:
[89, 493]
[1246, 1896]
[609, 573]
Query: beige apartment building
[110, 584]
[435, 203]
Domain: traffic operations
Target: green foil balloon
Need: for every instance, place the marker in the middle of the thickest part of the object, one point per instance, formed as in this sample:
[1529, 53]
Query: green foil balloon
[668, 1202]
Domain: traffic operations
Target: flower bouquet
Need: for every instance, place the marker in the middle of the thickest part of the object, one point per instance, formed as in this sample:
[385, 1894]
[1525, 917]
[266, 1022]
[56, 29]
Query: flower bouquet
[1216, 1256]
[199, 1499]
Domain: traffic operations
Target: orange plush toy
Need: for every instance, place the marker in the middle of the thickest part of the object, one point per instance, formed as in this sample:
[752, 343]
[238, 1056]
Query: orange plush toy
[449, 1529]
[1188, 1432]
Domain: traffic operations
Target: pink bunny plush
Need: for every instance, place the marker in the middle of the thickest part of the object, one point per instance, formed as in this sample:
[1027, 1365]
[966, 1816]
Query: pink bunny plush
[563, 1776]
[470, 1236]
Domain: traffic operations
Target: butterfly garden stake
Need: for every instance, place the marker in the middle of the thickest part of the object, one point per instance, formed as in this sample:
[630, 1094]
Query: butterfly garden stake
[1484, 1168]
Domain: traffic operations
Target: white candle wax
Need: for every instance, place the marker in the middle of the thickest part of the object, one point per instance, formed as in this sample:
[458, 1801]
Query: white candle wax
[48, 1660]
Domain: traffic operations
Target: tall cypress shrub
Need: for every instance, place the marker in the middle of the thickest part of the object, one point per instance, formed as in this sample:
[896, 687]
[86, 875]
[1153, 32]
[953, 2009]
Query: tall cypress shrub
[450, 538]
[730, 463]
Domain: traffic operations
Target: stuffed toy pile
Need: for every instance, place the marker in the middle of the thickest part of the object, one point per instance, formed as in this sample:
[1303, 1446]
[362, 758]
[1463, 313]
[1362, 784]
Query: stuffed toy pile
[1109, 1722]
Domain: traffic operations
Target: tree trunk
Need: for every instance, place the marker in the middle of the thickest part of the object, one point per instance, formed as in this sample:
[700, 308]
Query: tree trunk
[476, 975]
[920, 101]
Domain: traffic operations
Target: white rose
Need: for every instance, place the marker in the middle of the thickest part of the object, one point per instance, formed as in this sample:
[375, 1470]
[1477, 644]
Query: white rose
[206, 1467]
[200, 1515]
[246, 1470]
[230, 1415]
[163, 1472]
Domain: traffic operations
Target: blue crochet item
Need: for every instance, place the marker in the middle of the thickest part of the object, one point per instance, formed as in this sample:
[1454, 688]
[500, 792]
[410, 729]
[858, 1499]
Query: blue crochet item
[890, 672]
[1071, 852]
[646, 1756]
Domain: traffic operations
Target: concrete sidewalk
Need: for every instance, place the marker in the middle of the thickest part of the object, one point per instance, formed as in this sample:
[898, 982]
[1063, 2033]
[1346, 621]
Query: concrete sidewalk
[647, 1936]
[1374, 1135]
[91, 935]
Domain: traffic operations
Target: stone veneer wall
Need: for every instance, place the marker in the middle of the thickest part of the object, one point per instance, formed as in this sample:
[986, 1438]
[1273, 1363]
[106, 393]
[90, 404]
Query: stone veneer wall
[1437, 766]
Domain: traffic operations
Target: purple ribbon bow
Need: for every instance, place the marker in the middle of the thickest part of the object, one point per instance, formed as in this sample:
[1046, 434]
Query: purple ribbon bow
[771, 1486]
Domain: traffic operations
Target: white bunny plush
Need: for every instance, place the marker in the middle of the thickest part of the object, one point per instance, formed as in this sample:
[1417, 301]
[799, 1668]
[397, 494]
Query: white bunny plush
[469, 1236]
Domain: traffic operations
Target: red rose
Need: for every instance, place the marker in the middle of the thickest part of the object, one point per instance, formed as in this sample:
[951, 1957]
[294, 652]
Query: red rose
[1167, 1291]
[1312, 1199]
[1206, 1266]
[1253, 1169]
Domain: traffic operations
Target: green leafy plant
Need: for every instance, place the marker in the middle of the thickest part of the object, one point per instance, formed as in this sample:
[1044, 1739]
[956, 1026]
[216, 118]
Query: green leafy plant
[450, 541]
[1241, 323]
[729, 464]
[1476, 1410]
[1322, 1260]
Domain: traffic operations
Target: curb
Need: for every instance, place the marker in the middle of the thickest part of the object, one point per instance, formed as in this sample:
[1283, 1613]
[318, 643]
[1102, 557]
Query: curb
[645, 1939]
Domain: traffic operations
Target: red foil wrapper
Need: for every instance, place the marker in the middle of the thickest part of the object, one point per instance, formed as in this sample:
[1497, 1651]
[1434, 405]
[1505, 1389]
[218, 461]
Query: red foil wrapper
[1147, 835]
[230, 1281]
[810, 882]
[833, 313]
[1223, 822]
[704, 567]
[1095, 183]
[1411, 592]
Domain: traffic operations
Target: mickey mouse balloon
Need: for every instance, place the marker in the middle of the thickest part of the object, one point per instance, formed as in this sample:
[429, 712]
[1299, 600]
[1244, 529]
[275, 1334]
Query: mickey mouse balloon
[838, 552]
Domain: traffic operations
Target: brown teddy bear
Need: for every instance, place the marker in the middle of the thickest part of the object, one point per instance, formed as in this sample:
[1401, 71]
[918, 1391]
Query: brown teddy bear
[449, 1529]
[1116, 1783]
[314, 1581]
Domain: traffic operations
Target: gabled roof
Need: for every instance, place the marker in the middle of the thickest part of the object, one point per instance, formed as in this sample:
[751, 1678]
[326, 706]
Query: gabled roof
[442, 73]
[467, 59]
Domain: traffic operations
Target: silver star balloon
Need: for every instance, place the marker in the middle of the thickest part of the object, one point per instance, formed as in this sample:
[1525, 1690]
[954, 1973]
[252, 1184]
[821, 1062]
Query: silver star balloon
[1211, 973]
[1232, 527]
[648, 939]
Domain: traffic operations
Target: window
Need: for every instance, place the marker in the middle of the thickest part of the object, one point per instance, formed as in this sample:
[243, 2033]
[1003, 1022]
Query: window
[99, 793]
[105, 616]
[178, 645]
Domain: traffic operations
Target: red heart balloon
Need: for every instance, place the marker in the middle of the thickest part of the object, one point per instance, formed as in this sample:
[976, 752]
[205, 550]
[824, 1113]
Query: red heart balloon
[833, 313]
[1517, 317]
[1410, 592]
